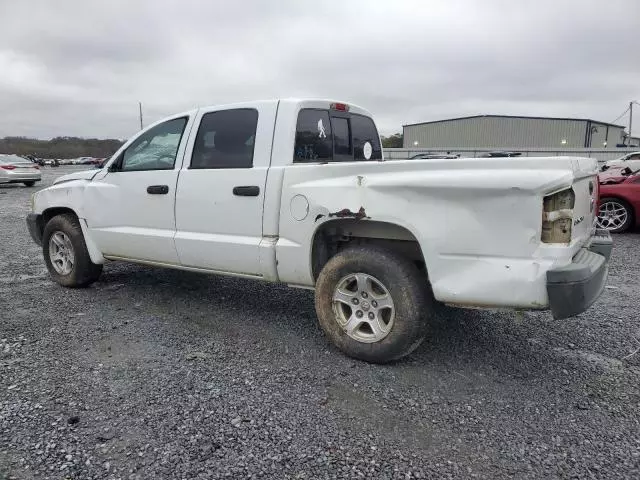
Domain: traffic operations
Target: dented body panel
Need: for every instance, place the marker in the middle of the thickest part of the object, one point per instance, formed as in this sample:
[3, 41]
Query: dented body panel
[477, 222]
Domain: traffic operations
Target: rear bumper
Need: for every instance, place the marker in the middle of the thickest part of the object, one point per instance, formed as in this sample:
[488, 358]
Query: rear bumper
[33, 224]
[20, 177]
[572, 289]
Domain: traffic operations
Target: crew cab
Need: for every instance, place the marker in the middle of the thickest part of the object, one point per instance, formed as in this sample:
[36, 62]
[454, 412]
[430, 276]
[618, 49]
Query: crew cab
[297, 191]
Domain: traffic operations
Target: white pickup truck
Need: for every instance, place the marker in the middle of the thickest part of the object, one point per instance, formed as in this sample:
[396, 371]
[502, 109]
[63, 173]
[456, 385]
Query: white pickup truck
[297, 191]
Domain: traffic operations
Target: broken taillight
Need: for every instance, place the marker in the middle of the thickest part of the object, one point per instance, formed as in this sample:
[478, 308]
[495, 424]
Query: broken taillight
[557, 216]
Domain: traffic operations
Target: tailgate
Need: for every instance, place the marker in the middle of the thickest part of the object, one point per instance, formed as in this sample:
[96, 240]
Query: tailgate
[585, 188]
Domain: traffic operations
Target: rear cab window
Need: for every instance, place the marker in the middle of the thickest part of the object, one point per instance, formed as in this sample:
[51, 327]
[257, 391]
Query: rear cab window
[335, 136]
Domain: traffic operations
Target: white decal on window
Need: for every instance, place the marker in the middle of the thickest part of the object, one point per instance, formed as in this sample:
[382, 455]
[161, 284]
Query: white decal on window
[367, 150]
[321, 133]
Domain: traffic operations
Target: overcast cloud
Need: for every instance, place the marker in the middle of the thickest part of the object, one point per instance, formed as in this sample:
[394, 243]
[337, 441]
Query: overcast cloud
[79, 67]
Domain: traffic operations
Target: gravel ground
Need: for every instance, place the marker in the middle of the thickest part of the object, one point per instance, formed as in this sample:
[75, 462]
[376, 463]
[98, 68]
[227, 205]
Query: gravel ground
[153, 374]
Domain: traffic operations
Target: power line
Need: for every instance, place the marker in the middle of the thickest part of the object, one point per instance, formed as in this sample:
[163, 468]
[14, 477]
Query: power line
[620, 116]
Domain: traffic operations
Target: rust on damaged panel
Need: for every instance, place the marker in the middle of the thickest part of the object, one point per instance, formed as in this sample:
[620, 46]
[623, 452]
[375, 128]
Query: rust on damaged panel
[346, 213]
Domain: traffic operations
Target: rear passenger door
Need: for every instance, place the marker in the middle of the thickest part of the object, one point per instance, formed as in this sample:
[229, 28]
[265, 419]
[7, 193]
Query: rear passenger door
[220, 194]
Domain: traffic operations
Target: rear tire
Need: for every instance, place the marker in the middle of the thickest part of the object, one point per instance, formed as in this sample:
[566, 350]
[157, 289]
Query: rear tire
[65, 253]
[354, 323]
[30, 183]
[615, 215]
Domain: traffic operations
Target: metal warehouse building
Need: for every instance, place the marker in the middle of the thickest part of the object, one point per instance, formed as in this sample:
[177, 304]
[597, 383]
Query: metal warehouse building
[507, 132]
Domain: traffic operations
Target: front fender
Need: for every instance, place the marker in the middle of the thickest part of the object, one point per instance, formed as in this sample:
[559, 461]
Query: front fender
[68, 194]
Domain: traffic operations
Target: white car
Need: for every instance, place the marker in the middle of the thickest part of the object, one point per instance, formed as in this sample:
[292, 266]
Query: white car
[297, 192]
[630, 160]
[15, 169]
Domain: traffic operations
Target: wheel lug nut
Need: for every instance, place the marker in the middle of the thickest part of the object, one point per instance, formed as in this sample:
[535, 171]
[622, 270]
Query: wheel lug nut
[371, 316]
[365, 294]
[359, 313]
[374, 304]
[355, 301]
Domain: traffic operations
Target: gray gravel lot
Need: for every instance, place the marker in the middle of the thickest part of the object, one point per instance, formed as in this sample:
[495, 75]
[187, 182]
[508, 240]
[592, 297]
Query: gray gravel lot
[155, 374]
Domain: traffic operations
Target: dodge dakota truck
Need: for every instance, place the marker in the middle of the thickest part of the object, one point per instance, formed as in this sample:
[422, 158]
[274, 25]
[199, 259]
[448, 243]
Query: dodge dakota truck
[298, 192]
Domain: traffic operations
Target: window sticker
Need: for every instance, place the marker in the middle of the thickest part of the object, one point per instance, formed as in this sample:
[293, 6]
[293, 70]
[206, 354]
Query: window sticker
[321, 132]
[367, 150]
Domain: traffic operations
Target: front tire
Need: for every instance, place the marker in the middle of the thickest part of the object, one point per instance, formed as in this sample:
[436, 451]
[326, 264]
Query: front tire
[373, 304]
[615, 215]
[65, 253]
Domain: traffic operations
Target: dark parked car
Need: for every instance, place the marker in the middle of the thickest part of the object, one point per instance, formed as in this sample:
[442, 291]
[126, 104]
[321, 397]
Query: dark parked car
[101, 162]
[499, 154]
[423, 156]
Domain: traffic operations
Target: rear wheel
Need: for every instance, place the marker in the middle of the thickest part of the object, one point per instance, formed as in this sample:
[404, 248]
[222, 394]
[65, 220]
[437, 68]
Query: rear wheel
[615, 215]
[30, 183]
[65, 253]
[373, 304]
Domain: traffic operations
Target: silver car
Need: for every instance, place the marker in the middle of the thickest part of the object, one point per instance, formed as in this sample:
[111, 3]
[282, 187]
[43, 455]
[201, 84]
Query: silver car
[15, 169]
[631, 160]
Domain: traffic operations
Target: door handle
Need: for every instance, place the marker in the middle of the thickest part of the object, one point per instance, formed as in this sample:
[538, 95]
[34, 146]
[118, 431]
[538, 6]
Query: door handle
[158, 189]
[248, 191]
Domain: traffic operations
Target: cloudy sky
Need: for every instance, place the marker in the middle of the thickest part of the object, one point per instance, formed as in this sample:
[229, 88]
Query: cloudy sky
[78, 67]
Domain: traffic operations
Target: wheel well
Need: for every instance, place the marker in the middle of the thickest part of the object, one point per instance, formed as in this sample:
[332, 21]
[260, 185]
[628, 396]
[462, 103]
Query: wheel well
[336, 235]
[49, 213]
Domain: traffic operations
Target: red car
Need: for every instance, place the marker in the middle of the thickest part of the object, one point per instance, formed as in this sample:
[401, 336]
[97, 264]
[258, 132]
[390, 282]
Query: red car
[619, 199]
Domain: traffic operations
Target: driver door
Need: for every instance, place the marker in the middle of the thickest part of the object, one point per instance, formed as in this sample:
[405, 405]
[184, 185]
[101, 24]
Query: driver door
[129, 207]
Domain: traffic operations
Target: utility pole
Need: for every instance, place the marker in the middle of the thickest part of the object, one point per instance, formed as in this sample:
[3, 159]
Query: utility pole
[630, 120]
[140, 108]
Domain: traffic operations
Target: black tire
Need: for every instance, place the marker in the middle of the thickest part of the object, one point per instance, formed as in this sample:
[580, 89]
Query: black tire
[630, 215]
[407, 286]
[30, 183]
[84, 272]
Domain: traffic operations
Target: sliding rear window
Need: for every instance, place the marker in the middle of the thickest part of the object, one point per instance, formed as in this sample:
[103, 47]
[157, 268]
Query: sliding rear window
[327, 136]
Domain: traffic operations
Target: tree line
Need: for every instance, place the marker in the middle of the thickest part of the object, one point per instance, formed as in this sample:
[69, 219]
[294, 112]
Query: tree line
[393, 141]
[74, 147]
[60, 147]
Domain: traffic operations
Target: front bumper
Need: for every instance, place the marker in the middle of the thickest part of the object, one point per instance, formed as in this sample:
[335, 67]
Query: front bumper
[573, 288]
[33, 224]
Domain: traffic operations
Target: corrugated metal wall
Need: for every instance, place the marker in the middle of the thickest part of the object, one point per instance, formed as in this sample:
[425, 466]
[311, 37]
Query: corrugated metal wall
[497, 132]
[599, 135]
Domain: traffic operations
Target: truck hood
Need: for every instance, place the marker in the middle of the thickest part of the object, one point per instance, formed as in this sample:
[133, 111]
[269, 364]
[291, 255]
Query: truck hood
[82, 175]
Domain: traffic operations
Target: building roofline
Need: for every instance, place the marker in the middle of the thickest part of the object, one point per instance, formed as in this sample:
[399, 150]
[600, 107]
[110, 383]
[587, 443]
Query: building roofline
[514, 116]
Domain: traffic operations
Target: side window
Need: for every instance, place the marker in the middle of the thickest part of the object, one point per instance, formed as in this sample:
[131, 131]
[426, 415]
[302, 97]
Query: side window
[634, 157]
[341, 137]
[366, 143]
[155, 149]
[314, 139]
[226, 139]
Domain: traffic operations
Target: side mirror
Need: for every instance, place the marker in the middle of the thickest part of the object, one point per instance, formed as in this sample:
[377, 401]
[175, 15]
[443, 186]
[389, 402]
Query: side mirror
[116, 164]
